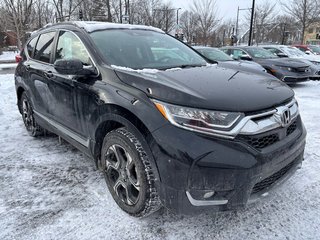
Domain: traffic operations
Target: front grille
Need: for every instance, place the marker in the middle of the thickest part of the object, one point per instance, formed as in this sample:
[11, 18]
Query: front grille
[293, 79]
[272, 179]
[302, 69]
[261, 142]
[292, 128]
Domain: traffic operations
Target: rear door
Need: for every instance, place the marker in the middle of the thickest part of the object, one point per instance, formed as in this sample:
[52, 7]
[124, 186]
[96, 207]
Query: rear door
[39, 52]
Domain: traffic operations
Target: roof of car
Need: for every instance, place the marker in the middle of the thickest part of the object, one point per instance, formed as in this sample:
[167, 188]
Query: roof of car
[91, 26]
[240, 47]
[203, 47]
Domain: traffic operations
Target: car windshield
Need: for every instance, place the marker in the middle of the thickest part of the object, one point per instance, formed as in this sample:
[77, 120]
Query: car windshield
[260, 53]
[293, 52]
[315, 49]
[142, 49]
[215, 54]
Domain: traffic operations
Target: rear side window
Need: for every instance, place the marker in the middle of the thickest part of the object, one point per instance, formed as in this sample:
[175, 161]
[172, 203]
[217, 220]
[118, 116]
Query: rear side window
[43, 49]
[31, 45]
[237, 53]
[274, 50]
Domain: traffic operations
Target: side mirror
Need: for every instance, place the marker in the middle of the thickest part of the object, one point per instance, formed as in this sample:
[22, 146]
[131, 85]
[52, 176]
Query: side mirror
[282, 55]
[246, 58]
[308, 52]
[69, 67]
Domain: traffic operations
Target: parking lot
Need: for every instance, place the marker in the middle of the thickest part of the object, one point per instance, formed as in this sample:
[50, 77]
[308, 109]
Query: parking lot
[50, 190]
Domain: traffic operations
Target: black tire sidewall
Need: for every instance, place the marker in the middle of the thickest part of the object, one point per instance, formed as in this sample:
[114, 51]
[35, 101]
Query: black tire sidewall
[35, 130]
[115, 137]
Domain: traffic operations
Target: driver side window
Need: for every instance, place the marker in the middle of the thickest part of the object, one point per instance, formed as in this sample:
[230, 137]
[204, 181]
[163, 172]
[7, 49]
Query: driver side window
[70, 47]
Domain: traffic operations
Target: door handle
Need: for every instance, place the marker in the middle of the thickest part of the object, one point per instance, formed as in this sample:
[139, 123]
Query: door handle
[49, 74]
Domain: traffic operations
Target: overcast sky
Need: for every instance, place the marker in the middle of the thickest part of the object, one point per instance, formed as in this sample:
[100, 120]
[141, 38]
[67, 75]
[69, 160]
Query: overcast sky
[227, 8]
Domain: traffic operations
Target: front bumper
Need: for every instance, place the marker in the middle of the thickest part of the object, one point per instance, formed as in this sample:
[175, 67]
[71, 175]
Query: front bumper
[200, 173]
[295, 79]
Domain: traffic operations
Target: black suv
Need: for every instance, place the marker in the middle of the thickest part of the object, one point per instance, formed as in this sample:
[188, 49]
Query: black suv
[166, 127]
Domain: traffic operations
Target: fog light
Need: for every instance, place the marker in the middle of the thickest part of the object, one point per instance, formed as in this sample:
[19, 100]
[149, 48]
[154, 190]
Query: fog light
[208, 195]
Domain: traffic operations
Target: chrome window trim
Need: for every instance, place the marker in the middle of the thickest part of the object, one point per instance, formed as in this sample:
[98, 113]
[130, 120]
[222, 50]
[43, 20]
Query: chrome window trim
[93, 62]
[199, 203]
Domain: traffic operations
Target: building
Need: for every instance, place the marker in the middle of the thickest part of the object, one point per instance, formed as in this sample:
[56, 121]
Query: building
[8, 38]
[312, 34]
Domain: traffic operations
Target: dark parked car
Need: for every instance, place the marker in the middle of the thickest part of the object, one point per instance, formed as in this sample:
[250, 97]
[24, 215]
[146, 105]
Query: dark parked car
[226, 61]
[285, 69]
[165, 129]
[292, 52]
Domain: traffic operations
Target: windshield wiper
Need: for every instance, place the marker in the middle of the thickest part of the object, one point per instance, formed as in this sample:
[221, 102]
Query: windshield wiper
[183, 66]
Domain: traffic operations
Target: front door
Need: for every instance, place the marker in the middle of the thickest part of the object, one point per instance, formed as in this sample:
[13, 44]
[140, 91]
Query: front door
[65, 109]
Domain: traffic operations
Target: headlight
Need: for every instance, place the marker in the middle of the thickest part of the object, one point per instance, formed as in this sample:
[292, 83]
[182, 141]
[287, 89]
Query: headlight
[205, 121]
[286, 68]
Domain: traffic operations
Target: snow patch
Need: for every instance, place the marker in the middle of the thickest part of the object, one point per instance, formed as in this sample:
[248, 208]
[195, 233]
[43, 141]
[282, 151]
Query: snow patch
[8, 65]
[173, 69]
[146, 70]
[91, 26]
[8, 56]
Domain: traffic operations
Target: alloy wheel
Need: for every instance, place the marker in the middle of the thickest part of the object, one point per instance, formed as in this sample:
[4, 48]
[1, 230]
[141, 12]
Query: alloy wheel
[27, 114]
[122, 174]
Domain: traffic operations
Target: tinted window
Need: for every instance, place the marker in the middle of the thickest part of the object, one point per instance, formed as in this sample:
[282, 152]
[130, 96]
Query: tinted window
[140, 49]
[315, 49]
[237, 53]
[44, 47]
[273, 50]
[260, 53]
[31, 45]
[215, 54]
[70, 47]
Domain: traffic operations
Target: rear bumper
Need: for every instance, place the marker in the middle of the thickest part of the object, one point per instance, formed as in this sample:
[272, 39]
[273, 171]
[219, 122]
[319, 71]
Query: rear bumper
[199, 173]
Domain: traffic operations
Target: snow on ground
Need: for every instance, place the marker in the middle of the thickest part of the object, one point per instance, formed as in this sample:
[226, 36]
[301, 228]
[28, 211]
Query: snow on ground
[52, 191]
[7, 56]
[8, 65]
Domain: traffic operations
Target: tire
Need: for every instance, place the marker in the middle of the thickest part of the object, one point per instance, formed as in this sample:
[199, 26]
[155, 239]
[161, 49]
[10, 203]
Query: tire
[128, 173]
[28, 118]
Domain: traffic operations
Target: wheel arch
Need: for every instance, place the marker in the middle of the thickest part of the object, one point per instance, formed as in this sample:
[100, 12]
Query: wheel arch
[117, 117]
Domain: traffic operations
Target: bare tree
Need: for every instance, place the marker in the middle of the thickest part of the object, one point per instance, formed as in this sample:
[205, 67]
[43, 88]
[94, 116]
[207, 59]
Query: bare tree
[263, 20]
[20, 14]
[206, 12]
[67, 9]
[188, 24]
[306, 12]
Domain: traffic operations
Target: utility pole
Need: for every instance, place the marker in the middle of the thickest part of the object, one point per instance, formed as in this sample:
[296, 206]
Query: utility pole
[120, 11]
[178, 16]
[251, 22]
[237, 23]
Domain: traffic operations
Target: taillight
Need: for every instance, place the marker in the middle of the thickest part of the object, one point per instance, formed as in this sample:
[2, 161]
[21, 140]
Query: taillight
[18, 58]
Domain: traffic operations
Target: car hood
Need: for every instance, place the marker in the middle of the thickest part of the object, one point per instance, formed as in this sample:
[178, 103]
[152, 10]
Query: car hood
[210, 87]
[283, 62]
[243, 66]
